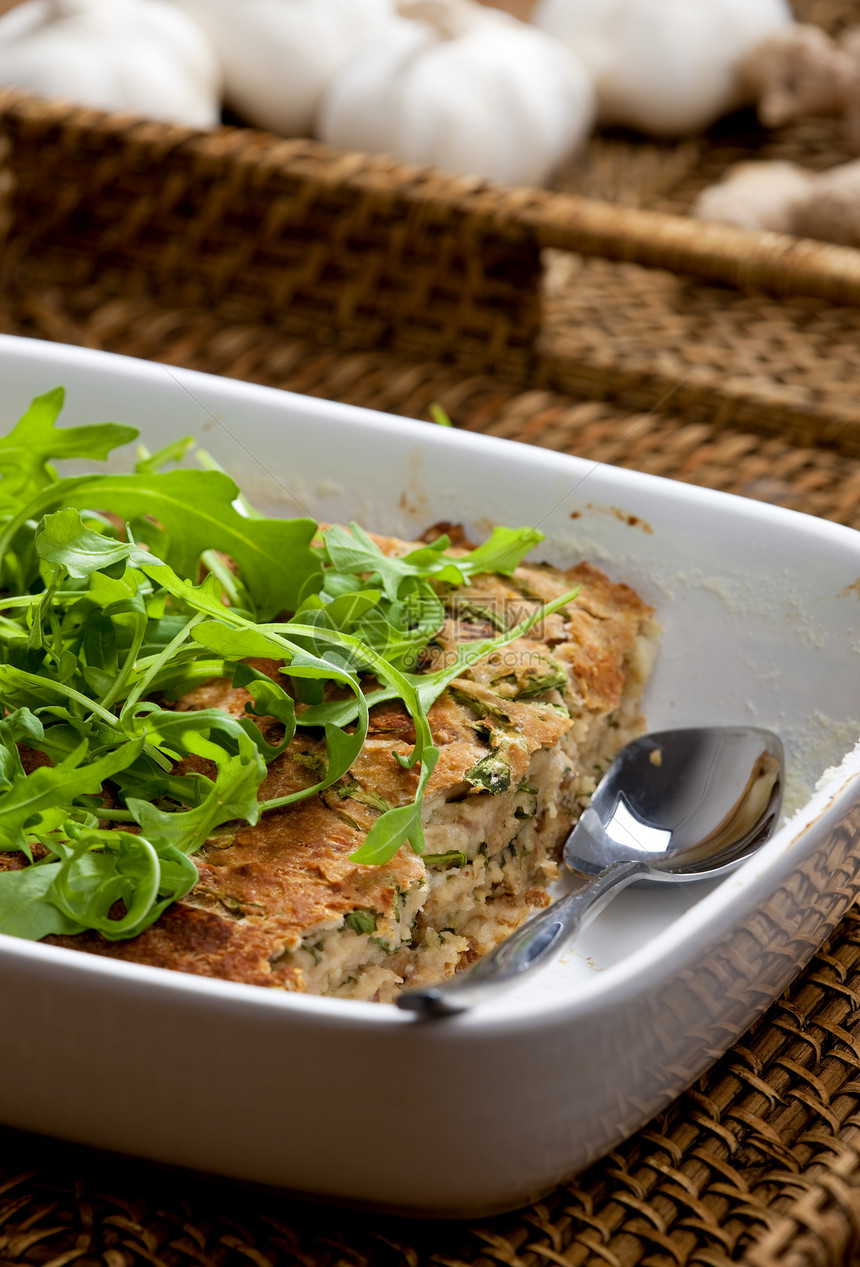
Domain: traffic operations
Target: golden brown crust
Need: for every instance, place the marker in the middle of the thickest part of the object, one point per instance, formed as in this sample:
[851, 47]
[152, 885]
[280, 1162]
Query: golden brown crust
[270, 887]
[294, 871]
[196, 941]
[260, 894]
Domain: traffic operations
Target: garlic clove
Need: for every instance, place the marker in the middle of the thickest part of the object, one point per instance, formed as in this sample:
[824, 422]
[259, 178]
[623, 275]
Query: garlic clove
[278, 56]
[786, 198]
[136, 56]
[453, 85]
[756, 196]
[831, 208]
[798, 71]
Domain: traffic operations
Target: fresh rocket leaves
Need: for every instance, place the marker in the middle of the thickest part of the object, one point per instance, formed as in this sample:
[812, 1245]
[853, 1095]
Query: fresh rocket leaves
[354, 553]
[180, 515]
[408, 611]
[41, 801]
[119, 594]
[27, 452]
[26, 905]
[65, 543]
[100, 868]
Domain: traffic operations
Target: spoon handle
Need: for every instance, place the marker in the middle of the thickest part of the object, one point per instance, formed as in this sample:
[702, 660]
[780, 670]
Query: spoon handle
[525, 950]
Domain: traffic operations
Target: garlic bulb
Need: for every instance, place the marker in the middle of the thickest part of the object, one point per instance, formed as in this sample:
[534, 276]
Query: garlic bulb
[140, 56]
[278, 55]
[666, 67]
[454, 85]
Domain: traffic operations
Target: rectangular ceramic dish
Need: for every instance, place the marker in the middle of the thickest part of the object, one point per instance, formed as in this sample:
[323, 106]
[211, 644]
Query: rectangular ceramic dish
[359, 1102]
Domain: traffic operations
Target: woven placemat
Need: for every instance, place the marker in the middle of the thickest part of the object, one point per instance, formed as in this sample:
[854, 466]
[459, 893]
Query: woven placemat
[759, 1162]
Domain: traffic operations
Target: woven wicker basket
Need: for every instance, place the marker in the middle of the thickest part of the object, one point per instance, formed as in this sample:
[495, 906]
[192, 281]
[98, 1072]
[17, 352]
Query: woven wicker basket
[595, 318]
[550, 288]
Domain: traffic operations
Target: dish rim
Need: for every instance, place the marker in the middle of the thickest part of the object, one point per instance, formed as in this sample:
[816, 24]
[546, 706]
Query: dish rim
[711, 914]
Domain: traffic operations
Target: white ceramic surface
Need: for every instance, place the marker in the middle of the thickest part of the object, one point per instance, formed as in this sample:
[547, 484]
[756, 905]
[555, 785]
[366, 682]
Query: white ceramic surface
[362, 1103]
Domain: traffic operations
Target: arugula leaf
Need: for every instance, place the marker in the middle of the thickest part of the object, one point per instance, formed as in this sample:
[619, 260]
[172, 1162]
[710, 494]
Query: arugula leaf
[355, 552]
[439, 416]
[101, 868]
[25, 906]
[216, 737]
[62, 539]
[452, 858]
[502, 552]
[245, 642]
[268, 700]
[186, 513]
[35, 442]
[17, 727]
[397, 826]
[174, 451]
[38, 802]
[361, 920]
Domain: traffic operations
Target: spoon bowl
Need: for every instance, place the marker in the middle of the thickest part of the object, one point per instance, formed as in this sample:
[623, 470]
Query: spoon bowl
[677, 805]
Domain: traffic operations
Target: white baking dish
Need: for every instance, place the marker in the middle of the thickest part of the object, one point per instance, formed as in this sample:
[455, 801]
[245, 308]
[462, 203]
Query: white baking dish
[357, 1101]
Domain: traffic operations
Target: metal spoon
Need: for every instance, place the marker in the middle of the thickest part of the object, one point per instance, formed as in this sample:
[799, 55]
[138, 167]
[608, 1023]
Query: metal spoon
[676, 805]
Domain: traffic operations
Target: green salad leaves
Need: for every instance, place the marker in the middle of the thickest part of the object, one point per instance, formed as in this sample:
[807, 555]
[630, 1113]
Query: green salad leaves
[120, 593]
